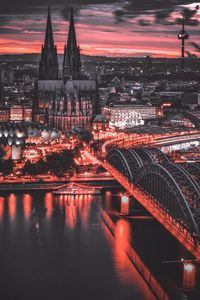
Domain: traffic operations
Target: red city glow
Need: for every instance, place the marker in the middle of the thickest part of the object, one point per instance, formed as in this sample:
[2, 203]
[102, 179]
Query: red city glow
[27, 202]
[2, 200]
[12, 206]
[70, 213]
[49, 204]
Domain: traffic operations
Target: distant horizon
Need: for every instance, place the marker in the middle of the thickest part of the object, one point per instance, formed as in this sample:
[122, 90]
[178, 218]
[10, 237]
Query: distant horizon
[106, 56]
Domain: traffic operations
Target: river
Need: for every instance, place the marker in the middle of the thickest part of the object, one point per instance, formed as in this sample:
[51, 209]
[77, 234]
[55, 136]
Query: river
[58, 247]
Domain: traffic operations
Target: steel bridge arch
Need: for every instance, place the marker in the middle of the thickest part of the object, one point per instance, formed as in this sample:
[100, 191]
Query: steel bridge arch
[175, 191]
[194, 170]
[129, 161]
[117, 158]
[157, 155]
[144, 155]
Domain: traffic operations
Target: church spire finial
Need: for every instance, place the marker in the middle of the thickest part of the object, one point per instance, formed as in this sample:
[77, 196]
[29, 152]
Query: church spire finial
[49, 41]
[49, 62]
[71, 43]
[71, 63]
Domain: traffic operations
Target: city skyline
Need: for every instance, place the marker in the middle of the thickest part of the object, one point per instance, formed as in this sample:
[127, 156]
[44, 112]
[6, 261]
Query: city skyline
[102, 29]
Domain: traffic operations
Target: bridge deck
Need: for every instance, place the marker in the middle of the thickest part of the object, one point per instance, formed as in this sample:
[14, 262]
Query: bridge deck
[151, 205]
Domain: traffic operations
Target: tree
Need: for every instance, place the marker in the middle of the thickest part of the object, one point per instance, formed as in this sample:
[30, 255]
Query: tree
[29, 168]
[41, 166]
[6, 166]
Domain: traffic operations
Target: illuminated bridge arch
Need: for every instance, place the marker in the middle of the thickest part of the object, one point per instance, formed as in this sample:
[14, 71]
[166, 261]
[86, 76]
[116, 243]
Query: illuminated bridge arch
[127, 161]
[157, 155]
[145, 156]
[175, 191]
[194, 170]
[118, 159]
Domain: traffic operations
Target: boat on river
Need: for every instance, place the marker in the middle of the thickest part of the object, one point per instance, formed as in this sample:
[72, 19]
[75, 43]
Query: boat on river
[77, 189]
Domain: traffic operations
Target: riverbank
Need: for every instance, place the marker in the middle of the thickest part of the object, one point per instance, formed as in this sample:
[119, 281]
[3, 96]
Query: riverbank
[52, 185]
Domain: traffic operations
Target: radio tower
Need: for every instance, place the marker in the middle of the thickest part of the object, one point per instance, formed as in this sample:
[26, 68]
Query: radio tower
[183, 35]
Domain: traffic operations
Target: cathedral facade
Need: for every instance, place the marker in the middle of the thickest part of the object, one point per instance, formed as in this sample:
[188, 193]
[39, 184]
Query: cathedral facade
[69, 101]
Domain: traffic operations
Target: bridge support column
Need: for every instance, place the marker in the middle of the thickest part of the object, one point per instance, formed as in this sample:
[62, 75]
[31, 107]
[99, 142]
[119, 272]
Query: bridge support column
[189, 275]
[125, 205]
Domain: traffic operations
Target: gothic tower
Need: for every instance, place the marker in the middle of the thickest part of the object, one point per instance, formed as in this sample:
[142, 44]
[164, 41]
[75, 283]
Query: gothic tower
[48, 67]
[72, 61]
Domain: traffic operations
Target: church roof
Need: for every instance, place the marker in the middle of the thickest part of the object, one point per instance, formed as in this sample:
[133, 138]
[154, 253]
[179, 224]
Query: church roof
[100, 119]
[82, 85]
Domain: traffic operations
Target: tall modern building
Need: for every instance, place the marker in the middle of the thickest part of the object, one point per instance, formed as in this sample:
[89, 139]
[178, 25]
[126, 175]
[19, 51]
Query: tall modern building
[48, 67]
[69, 101]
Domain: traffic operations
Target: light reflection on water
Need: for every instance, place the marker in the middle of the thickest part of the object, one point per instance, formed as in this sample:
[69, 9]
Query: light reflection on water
[65, 250]
[12, 206]
[61, 246]
[27, 205]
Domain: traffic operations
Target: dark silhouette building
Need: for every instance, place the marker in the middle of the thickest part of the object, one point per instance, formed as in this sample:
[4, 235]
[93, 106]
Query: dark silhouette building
[66, 102]
[72, 61]
[48, 67]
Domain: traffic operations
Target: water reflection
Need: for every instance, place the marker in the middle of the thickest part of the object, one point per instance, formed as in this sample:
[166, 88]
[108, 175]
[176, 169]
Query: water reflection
[75, 207]
[2, 200]
[38, 228]
[70, 212]
[62, 245]
[108, 197]
[123, 237]
[27, 205]
[12, 206]
[49, 204]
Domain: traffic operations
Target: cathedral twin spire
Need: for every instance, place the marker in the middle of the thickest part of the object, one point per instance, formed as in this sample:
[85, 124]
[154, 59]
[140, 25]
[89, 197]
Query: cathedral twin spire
[72, 61]
[48, 68]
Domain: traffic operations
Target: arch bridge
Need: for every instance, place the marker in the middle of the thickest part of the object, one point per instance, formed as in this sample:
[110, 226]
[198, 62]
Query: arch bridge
[170, 192]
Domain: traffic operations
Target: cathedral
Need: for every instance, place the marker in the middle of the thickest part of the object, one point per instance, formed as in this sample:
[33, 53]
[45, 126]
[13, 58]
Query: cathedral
[68, 101]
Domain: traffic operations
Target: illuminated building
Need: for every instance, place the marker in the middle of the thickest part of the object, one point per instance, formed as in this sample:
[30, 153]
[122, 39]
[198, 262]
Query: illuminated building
[16, 135]
[13, 93]
[4, 114]
[122, 116]
[100, 122]
[16, 113]
[28, 113]
[20, 113]
[70, 101]
[32, 153]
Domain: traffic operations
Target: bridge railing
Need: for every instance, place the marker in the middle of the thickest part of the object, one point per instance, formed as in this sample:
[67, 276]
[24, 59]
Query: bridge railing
[190, 241]
[175, 227]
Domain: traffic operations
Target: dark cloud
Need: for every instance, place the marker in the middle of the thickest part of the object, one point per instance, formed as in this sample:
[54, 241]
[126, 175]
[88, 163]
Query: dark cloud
[195, 46]
[161, 10]
[5, 30]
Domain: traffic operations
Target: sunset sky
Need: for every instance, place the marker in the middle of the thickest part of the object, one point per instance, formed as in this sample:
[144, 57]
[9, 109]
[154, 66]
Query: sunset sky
[104, 27]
